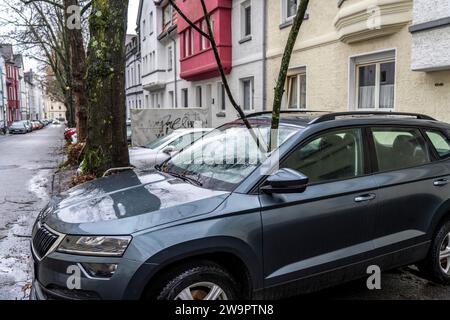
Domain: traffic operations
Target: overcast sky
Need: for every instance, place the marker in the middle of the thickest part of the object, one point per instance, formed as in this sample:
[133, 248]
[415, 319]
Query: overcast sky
[132, 16]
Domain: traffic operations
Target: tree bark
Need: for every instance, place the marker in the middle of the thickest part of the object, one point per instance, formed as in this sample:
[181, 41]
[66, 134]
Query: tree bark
[78, 73]
[279, 89]
[106, 144]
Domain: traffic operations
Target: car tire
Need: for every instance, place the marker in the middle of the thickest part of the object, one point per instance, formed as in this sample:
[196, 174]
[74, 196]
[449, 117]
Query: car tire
[436, 265]
[202, 280]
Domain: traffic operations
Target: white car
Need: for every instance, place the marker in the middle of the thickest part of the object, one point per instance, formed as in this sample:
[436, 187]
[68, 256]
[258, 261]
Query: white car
[165, 147]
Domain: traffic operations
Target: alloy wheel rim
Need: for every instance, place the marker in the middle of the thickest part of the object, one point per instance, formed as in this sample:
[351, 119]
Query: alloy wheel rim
[444, 255]
[202, 291]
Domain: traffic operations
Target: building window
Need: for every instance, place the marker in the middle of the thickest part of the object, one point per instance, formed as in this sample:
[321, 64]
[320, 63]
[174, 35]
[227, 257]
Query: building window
[144, 26]
[291, 8]
[192, 41]
[376, 84]
[205, 30]
[198, 96]
[151, 22]
[167, 16]
[186, 43]
[185, 97]
[221, 96]
[296, 91]
[247, 94]
[246, 19]
[169, 58]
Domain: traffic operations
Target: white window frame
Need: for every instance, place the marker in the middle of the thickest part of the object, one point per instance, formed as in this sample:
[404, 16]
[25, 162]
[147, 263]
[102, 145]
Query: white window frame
[370, 58]
[252, 93]
[296, 72]
[244, 5]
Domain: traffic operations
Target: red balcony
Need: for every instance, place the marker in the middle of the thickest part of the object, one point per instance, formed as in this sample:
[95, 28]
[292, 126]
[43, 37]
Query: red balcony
[197, 57]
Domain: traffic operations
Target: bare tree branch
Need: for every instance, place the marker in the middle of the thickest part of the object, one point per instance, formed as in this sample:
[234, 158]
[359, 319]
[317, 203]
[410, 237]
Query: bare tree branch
[193, 25]
[281, 82]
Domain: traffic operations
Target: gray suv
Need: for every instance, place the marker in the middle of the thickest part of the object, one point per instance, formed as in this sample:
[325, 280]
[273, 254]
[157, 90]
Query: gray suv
[225, 219]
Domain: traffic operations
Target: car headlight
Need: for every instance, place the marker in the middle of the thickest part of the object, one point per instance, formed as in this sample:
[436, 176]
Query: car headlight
[105, 246]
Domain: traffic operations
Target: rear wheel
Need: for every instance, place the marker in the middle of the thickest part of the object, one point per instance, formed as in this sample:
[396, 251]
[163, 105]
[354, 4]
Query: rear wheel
[198, 281]
[437, 264]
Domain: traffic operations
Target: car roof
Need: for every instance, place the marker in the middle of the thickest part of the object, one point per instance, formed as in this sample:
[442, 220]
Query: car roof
[324, 119]
[188, 130]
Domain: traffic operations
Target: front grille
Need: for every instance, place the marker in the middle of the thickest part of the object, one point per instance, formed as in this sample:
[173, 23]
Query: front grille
[43, 240]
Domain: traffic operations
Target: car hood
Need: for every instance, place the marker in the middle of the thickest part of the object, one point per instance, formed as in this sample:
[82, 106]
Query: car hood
[128, 202]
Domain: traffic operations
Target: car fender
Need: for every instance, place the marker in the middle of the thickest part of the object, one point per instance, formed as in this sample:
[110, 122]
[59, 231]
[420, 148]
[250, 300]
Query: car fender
[190, 250]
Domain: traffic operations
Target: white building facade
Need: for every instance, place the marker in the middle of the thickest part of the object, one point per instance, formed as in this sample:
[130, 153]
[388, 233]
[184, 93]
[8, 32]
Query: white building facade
[133, 75]
[34, 96]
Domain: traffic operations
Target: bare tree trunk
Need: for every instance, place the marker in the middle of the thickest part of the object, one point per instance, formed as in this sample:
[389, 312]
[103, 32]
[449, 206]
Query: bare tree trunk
[279, 89]
[78, 72]
[106, 144]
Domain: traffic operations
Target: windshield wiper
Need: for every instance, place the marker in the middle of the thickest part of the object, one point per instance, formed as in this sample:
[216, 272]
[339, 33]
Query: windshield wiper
[185, 178]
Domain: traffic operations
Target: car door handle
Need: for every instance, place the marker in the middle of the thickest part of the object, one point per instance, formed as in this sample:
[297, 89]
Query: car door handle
[441, 182]
[365, 197]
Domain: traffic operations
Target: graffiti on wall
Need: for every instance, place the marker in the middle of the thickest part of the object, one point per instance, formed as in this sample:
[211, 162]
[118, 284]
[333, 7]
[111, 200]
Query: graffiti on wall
[150, 124]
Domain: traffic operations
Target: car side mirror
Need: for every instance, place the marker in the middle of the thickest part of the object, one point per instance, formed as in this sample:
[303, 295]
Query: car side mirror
[168, 150]
[285, 181]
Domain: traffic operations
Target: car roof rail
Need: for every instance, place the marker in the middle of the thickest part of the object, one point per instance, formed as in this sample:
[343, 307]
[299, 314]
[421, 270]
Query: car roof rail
[334, 115]
[260, 113]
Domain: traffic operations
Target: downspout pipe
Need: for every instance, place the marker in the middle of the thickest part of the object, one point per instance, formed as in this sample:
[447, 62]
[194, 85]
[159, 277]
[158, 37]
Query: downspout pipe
[175, 71]
[264, 58]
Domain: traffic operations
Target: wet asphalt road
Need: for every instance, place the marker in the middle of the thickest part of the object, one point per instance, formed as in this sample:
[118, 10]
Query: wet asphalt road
[27, 164]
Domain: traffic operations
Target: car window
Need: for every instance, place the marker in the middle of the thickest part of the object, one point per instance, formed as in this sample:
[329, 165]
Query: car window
[331, 156]
[159, 142]
[398, 148]
[225, 156]
[440, 143]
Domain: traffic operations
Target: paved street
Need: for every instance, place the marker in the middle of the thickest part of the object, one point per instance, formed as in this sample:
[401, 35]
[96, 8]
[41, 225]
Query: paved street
[27, 163]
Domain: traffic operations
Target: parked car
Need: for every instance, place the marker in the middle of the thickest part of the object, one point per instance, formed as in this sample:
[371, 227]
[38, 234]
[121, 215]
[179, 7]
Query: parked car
[56, 122]
[29, 125]
[342, 192]
[129, 132]
[3, 128]
[163, 148]
[69, 133]
[18, 127]
[36, 125]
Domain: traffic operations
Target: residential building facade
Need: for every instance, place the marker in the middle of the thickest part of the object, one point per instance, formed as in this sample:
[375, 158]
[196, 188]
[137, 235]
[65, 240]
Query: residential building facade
[54, 109]
[133, 75]
[34, 92]
[180, 70]
[12, 84]
[389, 55]
[375, 55]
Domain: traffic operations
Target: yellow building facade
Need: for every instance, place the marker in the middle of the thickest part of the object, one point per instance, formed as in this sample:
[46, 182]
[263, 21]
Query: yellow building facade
[358, 55]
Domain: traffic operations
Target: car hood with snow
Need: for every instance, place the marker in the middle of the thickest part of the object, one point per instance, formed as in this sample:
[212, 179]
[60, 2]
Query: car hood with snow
[128, 202]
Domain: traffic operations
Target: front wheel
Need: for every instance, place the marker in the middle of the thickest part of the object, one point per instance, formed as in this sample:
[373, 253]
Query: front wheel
[198, 281]
[437, 264]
